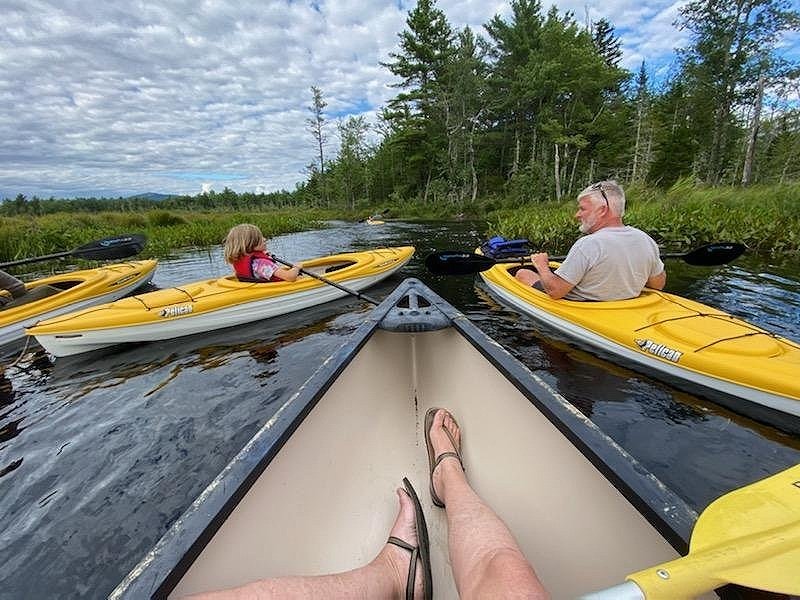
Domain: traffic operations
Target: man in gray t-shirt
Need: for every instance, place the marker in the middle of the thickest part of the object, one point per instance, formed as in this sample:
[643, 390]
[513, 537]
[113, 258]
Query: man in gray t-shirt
[612, 261]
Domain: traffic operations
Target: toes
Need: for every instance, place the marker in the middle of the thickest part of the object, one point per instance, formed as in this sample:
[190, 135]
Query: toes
[404, 526]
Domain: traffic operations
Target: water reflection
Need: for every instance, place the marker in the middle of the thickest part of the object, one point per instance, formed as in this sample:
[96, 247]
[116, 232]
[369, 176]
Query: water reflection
[6, 389]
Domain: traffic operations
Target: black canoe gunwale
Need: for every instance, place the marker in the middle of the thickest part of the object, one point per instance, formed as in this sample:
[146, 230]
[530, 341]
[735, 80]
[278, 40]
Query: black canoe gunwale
[160, 570]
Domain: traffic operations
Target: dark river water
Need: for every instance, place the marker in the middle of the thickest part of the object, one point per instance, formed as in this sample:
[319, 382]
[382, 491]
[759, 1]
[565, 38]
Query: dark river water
[100, 453]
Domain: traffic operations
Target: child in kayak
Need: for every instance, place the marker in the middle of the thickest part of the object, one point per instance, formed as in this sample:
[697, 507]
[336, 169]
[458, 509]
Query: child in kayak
[245, 249]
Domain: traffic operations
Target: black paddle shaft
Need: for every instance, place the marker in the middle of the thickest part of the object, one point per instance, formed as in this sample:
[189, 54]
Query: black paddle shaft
[110, 248]
[328, 281]
[457, 262]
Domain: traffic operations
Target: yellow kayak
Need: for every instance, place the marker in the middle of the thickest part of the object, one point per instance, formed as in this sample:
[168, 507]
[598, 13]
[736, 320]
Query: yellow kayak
[751, 370]
[215, 303]
[66, 292]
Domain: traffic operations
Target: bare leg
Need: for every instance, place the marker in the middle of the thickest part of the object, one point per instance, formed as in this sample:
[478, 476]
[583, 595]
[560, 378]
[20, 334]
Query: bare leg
[527, 276]
[486, 560]
[384, 577]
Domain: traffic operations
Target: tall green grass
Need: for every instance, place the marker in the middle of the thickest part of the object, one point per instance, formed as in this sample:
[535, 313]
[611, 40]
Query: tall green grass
[764, 218]
[167, 231]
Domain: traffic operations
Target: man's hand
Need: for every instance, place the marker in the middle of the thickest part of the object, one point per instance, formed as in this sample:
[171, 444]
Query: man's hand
[541, 261]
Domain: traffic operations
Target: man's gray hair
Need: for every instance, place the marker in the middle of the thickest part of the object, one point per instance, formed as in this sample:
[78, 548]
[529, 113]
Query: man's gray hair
[613, 193]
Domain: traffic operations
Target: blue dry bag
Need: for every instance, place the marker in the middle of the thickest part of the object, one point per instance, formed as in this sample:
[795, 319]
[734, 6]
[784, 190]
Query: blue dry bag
[500, 247]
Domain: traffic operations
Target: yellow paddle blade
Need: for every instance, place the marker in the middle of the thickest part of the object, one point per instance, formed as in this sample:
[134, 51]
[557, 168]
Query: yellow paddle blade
[750, 537]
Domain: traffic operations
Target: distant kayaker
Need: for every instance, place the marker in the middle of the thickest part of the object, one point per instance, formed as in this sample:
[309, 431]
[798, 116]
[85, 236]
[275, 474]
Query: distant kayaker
[612, 261]
[245, 248]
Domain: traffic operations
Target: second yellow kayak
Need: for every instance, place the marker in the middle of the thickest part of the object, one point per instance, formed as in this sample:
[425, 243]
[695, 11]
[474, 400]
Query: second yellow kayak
[751, 370]
[213, 304]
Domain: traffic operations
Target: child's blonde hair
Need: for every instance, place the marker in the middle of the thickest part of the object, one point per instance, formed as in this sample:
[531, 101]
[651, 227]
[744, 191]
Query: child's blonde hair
[241, 239]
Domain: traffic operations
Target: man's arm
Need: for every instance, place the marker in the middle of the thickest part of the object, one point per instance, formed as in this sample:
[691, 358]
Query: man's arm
[657, 282]
[555, 286]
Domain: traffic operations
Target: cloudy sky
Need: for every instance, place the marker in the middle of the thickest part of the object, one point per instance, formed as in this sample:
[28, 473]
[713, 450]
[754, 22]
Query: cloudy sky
[116, 98]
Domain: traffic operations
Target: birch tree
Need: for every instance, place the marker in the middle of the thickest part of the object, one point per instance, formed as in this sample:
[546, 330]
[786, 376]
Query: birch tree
[316, 125]
[730, 41]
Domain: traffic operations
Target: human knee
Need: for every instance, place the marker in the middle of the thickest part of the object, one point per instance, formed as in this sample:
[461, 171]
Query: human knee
[504, 569]
[526, 276]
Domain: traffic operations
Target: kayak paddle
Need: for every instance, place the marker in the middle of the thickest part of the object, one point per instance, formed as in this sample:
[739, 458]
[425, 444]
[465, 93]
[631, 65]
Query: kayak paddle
[456, 262]
[109, 248]
[328, 281]
[748, 537]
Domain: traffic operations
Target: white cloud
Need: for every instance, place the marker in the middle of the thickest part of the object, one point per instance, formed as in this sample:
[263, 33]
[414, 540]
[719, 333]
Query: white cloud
[116, 98]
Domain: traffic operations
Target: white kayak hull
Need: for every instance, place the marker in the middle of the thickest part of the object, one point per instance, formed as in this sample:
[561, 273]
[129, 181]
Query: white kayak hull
[70, 344]
[215, 304]
[132, 276]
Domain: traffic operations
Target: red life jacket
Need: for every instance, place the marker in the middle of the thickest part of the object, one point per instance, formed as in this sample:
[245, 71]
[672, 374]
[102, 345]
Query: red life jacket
[244, 267]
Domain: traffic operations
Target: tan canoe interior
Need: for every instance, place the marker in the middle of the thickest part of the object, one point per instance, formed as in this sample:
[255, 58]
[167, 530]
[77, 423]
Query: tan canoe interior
[326, 503]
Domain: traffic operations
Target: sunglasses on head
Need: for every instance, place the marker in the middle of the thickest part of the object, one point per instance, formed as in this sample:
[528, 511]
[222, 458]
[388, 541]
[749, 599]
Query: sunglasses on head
[599, 187]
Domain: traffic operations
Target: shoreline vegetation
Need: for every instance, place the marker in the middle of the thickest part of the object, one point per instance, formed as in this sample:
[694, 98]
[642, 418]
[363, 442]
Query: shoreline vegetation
[765, 218]
[504, 127]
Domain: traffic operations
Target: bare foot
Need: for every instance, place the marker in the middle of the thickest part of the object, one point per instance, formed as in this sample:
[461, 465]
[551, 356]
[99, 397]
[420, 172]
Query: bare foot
[398, 559]
[445, 436]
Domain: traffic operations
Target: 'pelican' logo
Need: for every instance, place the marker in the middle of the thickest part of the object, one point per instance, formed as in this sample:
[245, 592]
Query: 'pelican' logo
[176, 311]
[659, 350]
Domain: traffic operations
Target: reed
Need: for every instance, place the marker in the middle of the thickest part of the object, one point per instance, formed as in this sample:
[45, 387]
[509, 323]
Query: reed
[764, 218]
[166, 231]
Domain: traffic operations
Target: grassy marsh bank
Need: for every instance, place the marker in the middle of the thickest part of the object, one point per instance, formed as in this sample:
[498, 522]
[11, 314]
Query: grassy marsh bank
[764, 218]
[166, 231]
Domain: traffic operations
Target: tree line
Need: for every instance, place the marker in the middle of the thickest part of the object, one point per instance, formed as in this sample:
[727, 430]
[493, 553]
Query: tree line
[226, 200]
[535, 107]
[538, 106]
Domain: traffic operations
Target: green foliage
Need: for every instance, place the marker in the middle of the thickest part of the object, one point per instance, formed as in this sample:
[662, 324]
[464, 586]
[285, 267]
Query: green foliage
[526, 116]
[166, 232]
[163, 218]
[764, 218]
[608, 45]
[227, 200]
[732, 43]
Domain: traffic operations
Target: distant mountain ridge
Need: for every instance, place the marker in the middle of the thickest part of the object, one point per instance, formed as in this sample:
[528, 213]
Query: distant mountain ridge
[150, 196]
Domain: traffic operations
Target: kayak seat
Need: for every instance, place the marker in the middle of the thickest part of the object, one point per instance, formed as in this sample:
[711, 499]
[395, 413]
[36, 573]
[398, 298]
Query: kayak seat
[40, 292]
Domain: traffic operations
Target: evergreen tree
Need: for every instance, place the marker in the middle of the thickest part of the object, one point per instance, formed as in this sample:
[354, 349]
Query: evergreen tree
[511, 46]
[675, 138]
[730, 42]
[643, 136]
[608, 45]
[464, 100]
[426, 49]
[349, 171]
